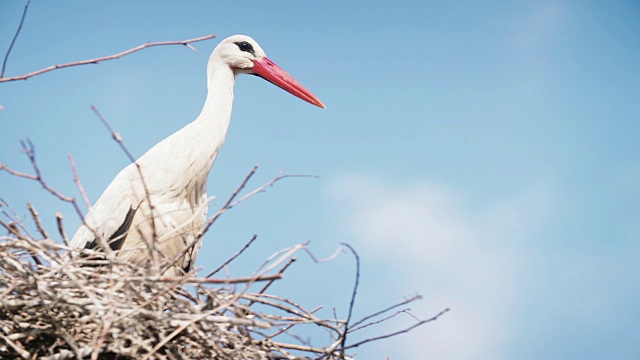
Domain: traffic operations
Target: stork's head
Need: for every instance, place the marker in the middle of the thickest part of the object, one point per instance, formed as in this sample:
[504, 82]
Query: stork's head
[243, 55]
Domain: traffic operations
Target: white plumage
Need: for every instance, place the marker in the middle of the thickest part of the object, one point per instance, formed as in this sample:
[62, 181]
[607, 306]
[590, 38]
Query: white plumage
[167, 207]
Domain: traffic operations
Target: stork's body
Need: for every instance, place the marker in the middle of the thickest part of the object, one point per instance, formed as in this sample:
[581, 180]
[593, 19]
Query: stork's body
[162, 200]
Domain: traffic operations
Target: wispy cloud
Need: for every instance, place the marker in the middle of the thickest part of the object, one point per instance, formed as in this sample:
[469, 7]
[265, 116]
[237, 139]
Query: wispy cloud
[459, 256]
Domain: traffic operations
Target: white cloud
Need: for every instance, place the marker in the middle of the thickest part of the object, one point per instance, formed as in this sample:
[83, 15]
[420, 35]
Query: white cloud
[434, 242]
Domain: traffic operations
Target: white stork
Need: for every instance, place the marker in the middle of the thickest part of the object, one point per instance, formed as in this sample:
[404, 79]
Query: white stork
[163, 200]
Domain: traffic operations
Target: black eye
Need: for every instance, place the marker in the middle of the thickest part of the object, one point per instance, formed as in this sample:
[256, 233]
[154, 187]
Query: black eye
[245, 46]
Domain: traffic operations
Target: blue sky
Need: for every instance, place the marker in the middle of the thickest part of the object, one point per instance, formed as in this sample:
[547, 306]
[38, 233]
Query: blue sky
[483, 155]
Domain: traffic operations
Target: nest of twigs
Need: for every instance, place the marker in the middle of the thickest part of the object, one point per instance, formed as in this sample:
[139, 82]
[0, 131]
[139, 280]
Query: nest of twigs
[53, 306]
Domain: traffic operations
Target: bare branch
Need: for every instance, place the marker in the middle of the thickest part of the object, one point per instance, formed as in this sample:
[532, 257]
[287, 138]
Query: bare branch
[36, 219]
[403, 311]
[226, 205]
[30, 151]
[154, 234]
[412, 299]
[15, 37]
[406, 330]
[353, 297]
[116, 135]
[19, 349]
[61, 231]
[218, 281]
[76, 179]
[105, 58]
[291, 261]
[246, 246]
[230, 203]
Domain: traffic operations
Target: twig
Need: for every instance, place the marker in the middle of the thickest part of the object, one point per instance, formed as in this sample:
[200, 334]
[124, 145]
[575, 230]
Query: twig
[29, 149]
[290, 325]
[36, 219]
[291, 261]
[105, 58]
[116, 135]
[225, 207]
[246, 246]
[353, 299]
[76, 179]
[61, 231]
[19, 349]
[412, 299]
[230, 203]
[154, 234]
[12, 229]
[405, 311]
[406, 330]
[212, 281]
[242, 185]
[15, 37]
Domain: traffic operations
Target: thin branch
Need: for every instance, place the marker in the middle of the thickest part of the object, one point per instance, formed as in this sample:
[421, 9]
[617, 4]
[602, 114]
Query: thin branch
[13, 229]
[116, 135]
[76, 179]
[353, 299]
[15, 37]
[406, 330]
[246, 246]
[230, 203]
[291, 261]
[405, 311]
[242, 185]
[61, 231]
[105, 58]
[225, 207]
[30, 151]
[19, 349]
[410, 300]
[36, 219]
[212, 281]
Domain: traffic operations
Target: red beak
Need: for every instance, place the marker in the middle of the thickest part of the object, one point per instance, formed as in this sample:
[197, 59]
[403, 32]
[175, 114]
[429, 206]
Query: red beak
[271, 72]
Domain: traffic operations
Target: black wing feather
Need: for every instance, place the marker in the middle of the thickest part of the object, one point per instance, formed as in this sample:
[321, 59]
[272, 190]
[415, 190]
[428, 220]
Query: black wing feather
[117, 239]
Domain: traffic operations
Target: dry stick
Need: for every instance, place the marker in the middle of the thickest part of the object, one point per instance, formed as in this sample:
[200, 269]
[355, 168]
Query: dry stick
[61, 231]
[110, 57]
[76, 179]
[410, 300]
[12, 229]
[353, 299]
[230, 204]
[231, 198]
[291, 261]
[43, 232]
[422, 322]
[289, 326]
[36, 219]
[247, 279]
[405, 311]
[211, 220]
[29, 150]
[116, 136]
[106, 323]
[299, 347]
[15, 37]
[19, 349]
[16, 220]
[246, 246]
[172, 335]
[304, 312]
